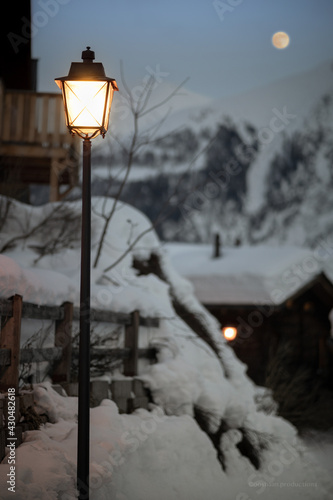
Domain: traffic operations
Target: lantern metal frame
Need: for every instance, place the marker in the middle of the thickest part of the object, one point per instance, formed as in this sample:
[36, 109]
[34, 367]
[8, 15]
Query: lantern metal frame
[87, 71]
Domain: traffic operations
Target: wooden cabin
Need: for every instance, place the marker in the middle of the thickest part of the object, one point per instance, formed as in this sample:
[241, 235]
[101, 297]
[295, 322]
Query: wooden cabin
[35, 146]
[270, 296]
[300, 322]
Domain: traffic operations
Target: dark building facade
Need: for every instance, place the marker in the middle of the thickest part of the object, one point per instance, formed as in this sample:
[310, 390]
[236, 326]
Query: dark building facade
[17, 68]
[301, 322]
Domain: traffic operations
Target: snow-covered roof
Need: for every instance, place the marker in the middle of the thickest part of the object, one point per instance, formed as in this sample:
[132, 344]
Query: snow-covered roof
[245, 275]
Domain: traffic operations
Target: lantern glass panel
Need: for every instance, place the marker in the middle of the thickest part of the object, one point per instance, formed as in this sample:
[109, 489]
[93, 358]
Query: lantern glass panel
[86, 103]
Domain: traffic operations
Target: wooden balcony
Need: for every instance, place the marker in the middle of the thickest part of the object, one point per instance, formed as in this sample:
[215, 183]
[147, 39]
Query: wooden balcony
[35, 145]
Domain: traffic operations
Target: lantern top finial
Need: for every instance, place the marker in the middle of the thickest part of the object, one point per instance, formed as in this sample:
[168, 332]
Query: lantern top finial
[88, 55]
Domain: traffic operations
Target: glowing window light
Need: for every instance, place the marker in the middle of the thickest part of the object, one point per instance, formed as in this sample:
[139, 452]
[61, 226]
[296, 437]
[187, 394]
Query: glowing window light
[229, 333]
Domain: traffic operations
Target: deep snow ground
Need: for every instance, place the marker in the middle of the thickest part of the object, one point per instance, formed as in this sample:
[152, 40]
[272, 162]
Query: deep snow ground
[158, 454]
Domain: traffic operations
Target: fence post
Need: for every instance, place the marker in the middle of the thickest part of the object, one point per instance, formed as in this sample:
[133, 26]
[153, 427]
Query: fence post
[132, 342]
[63, 338]
[10, 339]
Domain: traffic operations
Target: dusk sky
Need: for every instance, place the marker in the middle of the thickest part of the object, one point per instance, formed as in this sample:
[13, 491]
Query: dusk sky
[223, 47]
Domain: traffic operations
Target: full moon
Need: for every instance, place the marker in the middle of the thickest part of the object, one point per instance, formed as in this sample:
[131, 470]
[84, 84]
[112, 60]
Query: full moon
[280, 40]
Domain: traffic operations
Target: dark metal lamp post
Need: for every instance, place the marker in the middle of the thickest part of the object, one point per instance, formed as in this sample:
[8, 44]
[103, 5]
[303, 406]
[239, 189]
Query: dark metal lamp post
[87, 95]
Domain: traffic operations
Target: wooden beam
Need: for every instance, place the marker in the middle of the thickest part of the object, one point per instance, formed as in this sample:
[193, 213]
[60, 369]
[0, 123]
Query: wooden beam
[45, 115]
[150, 322]
[5, 356]
[2, 103]
[18, 123]
[105, 352]
[32, 150]
[32, 127]
[40, 354]
[58, 104]
[33, 311]
[105, 316]
[117, 353]
[7, 117]
[6, 307]
[10, 339]
[132, 342]
[117, 318]
[54, 181]
[63, 340]
[147, 353]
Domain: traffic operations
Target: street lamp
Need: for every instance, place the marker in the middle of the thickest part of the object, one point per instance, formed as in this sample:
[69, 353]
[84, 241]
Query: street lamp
[87, 95]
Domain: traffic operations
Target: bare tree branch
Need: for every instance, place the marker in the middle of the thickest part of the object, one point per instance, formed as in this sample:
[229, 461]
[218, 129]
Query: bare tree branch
[167, 99]
[138, 110]
[162, 215]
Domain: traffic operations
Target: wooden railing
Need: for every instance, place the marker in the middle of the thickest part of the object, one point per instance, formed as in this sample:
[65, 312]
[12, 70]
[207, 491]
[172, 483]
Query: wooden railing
[34, 118]
[35, 145]
[11, 355]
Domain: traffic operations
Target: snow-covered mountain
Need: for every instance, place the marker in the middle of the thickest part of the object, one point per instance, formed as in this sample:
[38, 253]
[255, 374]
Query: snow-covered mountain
[255, 167]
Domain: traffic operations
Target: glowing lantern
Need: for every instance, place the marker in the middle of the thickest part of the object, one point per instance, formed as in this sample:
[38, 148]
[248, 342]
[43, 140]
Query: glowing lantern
[87, 95]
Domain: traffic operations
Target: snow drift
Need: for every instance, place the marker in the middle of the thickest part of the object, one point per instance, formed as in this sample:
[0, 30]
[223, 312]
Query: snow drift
[236, 451]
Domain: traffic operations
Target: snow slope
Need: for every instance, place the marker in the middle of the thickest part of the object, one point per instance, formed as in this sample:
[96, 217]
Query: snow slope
[147, 455]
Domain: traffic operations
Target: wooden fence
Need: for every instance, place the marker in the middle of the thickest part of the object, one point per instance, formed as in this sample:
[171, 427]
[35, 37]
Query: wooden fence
[11, 355]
